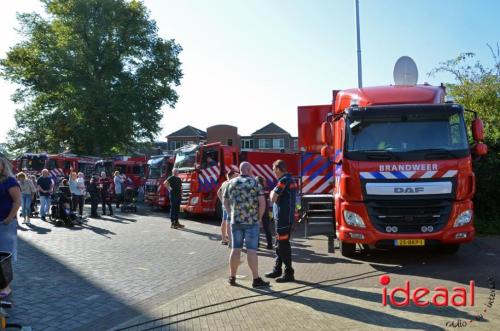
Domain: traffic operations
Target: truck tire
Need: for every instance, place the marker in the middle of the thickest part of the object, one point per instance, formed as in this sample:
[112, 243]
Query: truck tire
[347, 249]
[449, 249]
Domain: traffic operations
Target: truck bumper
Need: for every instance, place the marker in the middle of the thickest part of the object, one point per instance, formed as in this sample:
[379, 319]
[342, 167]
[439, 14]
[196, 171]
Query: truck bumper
[197, 205]
[371, 236]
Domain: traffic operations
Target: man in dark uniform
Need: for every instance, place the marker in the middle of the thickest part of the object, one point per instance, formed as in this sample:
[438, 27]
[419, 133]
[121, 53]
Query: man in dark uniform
[283, 199]
[94, 197]
[105, 185]
[174, 187]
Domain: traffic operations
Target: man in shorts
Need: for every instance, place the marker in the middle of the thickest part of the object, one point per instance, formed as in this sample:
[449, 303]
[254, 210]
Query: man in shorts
[244, 201]
[224, 227]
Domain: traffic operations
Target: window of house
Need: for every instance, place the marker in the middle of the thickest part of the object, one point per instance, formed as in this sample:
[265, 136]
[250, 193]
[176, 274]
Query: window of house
[175, 144]
[295, 144]
[246, 143]
[230, 142]
[265, 143]
[278, 143]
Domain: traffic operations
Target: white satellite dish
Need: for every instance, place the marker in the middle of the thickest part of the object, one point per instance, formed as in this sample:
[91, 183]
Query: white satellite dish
[405, 71]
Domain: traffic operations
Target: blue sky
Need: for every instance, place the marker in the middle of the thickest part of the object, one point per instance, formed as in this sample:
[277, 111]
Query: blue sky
[247, 63]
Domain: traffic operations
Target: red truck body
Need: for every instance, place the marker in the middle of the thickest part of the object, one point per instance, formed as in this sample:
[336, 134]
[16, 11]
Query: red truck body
[315, 170]
[133, 168]
[158, 170]
[203, 169]
[58, 164]
[401, 163]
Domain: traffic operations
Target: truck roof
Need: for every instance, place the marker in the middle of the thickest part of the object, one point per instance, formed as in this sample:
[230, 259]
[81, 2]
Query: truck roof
[389, 95]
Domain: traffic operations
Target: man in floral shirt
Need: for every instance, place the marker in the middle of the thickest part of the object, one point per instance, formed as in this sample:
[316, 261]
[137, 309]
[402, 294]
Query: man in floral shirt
[244, 200]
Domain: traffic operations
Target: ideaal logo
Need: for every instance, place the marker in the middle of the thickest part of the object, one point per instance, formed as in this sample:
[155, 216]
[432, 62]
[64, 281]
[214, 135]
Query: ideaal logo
[459, 296]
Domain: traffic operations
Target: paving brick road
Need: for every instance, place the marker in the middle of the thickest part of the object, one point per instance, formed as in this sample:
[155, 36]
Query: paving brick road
[333, 293]
[117, 272]
[78, 278]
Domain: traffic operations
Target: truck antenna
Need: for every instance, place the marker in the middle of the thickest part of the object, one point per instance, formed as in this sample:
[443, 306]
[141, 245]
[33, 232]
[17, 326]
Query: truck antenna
[360, 74]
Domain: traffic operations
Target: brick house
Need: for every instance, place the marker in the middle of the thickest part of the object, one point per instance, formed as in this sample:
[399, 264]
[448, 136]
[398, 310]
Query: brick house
[184, 136]
[270, 138]
[226, 134]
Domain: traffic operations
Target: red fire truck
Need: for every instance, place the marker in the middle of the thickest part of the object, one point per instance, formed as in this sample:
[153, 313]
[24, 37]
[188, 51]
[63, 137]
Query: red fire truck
[402, 166]
[203, 169]
[133, 167]
[57, 164]
[158, 170]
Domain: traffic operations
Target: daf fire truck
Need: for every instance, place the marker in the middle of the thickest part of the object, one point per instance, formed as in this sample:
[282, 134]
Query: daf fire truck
[203, 168]
[158, 170]
[402, 167]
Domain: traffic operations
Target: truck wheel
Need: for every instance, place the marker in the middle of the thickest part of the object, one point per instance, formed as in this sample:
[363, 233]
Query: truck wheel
[347, 249]
[218, 210]
[449, 249]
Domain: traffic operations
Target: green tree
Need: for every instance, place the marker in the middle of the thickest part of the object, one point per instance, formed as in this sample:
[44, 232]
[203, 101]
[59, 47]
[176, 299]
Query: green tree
[477, 87]
[92, 76]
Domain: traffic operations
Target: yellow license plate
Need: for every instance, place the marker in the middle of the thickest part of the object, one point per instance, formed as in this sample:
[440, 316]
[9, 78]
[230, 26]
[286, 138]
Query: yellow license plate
[409, 242]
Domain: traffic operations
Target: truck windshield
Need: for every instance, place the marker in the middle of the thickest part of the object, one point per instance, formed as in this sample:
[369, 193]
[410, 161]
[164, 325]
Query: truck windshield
[185, 158]
[407, 136]
[154, 171]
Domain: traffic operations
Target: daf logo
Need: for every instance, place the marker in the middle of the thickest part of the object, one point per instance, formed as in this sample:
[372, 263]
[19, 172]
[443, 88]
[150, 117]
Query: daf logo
[408, 190]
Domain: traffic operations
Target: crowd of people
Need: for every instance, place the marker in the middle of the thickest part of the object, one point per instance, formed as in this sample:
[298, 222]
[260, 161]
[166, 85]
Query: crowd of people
[246, 209]
[21, 191]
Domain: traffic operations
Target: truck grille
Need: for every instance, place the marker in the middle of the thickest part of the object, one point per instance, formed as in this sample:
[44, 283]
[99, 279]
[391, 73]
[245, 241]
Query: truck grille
[186, 189]
[409, 216]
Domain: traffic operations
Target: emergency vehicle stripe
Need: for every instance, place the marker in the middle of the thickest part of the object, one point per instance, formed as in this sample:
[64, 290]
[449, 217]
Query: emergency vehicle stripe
[428, 174]
[257, 172]
[321, 170]
[439, 174]
[311, 165]
[264, 171]
[211, 173]
[389, 175]
[270, 170]
[407, 174]
[450, 173]
[327, 183]
[366, 175]
[377, 175]
[306, 159]
[311, 183]
[399, 175]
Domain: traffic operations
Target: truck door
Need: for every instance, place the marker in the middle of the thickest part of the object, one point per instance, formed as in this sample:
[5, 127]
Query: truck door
[210, 169]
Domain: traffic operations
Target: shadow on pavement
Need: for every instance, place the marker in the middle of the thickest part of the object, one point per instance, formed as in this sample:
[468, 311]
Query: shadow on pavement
[95, 229]
[49, 294]
[210, 236]
[354, 312]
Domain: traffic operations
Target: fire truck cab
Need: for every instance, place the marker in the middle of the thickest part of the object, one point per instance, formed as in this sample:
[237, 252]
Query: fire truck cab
[402, 166]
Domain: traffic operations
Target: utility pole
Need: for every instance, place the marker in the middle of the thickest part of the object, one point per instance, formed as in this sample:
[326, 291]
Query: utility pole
[360, 75]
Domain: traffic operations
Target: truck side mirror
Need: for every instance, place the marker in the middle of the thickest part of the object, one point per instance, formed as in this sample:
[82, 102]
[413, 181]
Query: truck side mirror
[477, 129]
[327, 133]
[480, 150]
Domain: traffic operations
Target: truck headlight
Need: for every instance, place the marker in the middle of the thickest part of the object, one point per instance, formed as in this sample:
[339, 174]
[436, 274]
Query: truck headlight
[463, 219]
[194, 200]
[353, 219]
